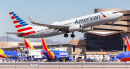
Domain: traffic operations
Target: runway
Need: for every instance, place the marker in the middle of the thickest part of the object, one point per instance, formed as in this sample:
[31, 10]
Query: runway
[64, 65]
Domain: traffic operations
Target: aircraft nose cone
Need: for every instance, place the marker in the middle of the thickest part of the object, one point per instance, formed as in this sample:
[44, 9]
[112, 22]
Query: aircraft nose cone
[117, 56]
[120, 14]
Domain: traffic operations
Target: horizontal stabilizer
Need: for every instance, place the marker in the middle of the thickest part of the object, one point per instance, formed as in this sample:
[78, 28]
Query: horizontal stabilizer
[14, 33]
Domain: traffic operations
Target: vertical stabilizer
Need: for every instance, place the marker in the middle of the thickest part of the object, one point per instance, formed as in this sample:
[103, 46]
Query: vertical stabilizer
[128, 43]
[49, 54]
[21, 25]
[28, 44]
[45, 48]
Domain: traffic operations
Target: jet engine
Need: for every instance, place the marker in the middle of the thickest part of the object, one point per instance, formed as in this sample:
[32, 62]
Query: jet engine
[86, 29]
[79, 28]
[75, 28]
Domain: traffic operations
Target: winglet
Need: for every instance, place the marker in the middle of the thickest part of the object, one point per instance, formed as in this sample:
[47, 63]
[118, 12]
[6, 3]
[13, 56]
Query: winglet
[31, 20]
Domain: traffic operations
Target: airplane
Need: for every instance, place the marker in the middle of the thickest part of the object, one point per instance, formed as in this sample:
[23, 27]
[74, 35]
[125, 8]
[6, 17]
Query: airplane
[125, 56]
[38, 54]
[12, 55]
[55, 55]
[81, 24]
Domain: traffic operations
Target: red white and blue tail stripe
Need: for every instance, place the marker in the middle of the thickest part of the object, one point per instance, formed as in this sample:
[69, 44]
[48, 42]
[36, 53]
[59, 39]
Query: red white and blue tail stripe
[21, 25]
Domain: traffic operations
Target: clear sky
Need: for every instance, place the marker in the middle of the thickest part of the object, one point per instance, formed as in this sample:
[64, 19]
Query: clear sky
[49, 11]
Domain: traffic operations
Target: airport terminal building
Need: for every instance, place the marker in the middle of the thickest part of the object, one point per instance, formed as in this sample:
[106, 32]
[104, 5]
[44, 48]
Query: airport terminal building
[110, 43]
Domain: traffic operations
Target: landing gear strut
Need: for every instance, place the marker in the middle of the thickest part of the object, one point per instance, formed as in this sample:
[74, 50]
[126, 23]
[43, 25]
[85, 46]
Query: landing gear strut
[66, 35]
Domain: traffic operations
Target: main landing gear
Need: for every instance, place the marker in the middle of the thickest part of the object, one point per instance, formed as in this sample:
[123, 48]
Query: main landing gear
[66, 35]
[72, 35]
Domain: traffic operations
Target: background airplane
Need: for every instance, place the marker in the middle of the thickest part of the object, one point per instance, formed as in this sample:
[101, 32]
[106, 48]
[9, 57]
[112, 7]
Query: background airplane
[81, 24]
[55, 55]
[36, 53]
[125, 56]
[12, 55]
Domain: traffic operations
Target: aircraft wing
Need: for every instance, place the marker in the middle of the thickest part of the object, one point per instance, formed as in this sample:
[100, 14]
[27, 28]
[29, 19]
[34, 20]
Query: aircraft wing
[50, 26]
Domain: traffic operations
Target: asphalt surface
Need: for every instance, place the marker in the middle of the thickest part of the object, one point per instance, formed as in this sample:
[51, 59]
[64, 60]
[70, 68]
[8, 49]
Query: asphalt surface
[64, 65]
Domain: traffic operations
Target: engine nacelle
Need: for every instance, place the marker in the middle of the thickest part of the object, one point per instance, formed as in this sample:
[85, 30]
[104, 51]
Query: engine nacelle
[86, 29]
[75, 28]
[60, 32]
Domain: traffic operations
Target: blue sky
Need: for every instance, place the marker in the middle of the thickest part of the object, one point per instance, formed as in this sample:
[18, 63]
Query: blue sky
[49, 11]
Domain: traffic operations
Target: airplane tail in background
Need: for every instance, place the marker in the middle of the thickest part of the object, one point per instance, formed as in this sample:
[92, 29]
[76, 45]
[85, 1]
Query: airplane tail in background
[21, 25]
[128, 43]
[18, 51]
[45, 48]
[27, 44]
[102, 51]
[48, 53]
[2, 54]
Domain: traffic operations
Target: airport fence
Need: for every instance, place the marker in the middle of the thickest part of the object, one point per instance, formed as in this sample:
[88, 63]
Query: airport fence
[64, 65]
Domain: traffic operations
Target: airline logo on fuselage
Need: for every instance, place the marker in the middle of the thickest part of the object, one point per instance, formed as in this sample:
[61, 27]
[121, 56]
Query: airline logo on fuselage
[103, 15]
[62, 53]
[91, 18]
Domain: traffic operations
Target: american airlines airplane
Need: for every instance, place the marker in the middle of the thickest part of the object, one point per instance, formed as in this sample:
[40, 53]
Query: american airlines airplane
[80, 24]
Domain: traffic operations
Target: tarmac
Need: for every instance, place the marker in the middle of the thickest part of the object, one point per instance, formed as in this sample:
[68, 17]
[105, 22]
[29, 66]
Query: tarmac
[64, 65]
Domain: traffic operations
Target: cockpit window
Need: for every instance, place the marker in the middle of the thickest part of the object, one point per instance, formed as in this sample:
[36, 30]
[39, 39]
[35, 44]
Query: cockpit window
[115, 12]
[120, 54]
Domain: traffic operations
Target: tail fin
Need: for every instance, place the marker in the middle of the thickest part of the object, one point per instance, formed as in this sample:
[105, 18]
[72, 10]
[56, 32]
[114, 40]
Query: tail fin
[101, 51]
[128, 43]
[21, 25]
[45, 48]
[27, 44]
[48, 54]
[19, 53]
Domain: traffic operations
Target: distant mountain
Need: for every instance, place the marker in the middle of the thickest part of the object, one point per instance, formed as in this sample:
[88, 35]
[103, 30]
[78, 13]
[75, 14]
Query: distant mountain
[4, 38]
[10, 39]
[48, 41]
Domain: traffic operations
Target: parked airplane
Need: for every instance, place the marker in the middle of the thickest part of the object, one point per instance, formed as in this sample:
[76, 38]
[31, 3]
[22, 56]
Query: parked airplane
[12, 55]
[36, 53]
[55, 55]
[80, 24]
[125, 56]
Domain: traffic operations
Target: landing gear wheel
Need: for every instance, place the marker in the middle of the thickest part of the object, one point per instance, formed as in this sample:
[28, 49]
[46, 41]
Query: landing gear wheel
[65, 35]
[72, 35]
